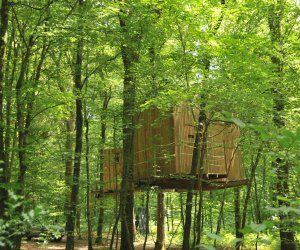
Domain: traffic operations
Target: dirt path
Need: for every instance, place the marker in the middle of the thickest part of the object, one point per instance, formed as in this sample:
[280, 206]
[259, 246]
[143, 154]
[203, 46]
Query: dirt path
[79, 245]
[33, 245]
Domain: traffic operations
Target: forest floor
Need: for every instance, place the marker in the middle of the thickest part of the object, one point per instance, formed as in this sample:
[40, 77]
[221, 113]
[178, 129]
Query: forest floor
[79, 245]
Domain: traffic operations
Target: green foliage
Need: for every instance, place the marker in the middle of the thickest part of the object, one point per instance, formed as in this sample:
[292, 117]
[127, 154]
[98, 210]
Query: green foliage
[182, 56]
[16, 223]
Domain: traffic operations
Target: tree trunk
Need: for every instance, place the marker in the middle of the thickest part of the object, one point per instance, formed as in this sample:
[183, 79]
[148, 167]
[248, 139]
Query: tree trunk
[129, 57]
[254, 165]
[200, 170]
[71, 216]
[9, 79]
[24, 119]
[194, 168]
[219, 221]
[106, 100]
[147, 218]
[237, 217]
[287, 236]
[87, 151]
[3, 165]
[69, 147]
[78, 221]
[160, 238]
[117, 208]
[197, 162]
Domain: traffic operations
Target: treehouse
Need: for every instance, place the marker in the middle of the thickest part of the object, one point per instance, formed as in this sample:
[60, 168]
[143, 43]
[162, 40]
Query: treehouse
[163, 146]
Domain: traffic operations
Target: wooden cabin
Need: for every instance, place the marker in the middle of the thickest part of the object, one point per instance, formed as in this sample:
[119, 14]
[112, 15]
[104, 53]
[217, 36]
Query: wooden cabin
[163, 146]
[112, 169]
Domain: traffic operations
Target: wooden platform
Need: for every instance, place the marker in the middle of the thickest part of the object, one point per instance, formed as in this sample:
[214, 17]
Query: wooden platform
[183, 182]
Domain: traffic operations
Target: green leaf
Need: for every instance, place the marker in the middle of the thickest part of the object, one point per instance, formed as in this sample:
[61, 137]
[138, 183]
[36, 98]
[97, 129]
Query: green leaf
[227, 115]
[215, 237]
[281, 198]
[264, 241]
[246, 230]
[238, 122]
[234, 241]
[258, 227]
[269, 224]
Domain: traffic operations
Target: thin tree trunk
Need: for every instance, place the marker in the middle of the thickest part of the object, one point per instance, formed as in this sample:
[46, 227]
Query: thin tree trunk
[115, 228]
[254, 165]
[9, 135]
[237, 217]
[200, 167]
[117, 208]
[107, 96]
[195, 163]
[69, 147]
[87, 152]
[210, 212]
[160, 237]
[248, 192]
[182, 218]
[199, 217]
[195, 221]
[78, 221]
[219, 221]
[196, 158]
[3, 165]
[147, 218]
[257, 203]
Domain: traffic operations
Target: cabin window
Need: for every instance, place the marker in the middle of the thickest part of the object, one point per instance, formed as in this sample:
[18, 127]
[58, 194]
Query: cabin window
[117, 158]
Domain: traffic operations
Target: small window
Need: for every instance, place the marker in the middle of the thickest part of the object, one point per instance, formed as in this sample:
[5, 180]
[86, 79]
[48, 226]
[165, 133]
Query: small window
[117, 158]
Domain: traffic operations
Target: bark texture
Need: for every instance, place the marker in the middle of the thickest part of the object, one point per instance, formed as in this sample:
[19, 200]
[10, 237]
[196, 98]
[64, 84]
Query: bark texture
[160, 236]
[105, 103]
[3, 165]
[129, 58]
[276, 13]
[77, 79]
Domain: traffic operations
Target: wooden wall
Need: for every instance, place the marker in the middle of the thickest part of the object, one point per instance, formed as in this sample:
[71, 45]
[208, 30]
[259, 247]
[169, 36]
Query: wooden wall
[112, 169]
[154, 144]
[223, 155]
[184, 127]
[163, 146]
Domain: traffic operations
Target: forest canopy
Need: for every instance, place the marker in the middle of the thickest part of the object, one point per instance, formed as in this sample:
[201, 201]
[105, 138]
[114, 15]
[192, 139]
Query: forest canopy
[89, 92]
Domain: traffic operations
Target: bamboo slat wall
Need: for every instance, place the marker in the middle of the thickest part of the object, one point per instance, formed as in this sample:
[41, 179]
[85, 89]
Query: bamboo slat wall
[112, 169]
[163, 146]
[184, 137]
[153, 144]
[223, 155]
